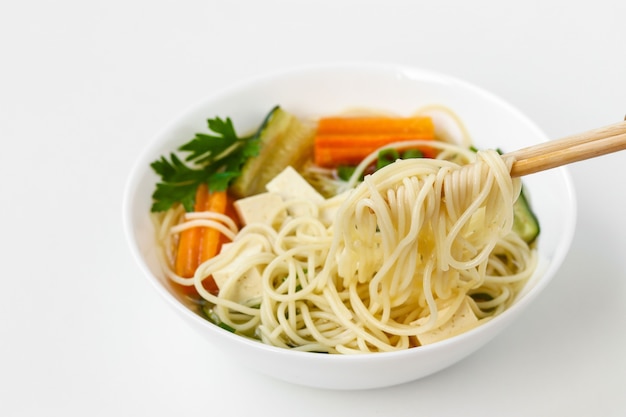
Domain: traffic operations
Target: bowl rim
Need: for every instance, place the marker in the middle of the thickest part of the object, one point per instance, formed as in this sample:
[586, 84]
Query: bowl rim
[565, 241]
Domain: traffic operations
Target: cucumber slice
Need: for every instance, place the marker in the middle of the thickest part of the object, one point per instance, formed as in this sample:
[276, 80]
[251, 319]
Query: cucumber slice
[284, 141]
[525, 222]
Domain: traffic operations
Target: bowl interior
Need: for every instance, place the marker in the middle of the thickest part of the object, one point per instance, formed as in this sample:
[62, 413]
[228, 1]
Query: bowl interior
[330, 89]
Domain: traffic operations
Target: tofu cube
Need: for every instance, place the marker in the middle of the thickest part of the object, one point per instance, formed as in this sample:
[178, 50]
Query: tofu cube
[248, 285]
[260, 208]
[290, 185]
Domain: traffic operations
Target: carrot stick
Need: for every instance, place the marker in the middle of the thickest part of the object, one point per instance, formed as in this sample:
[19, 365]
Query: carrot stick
[210, 242]
[199, 244]
[347, 140]
[375, 140]
[187, 254]
[373, 125]
[326, 156]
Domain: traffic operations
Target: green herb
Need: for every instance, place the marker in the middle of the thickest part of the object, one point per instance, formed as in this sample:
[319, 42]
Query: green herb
[412, 153]
[345, 171]
[214, 159]
[386, 157]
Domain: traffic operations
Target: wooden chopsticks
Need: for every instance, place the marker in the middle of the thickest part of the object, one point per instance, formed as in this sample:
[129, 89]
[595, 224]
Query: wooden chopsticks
[570, 149]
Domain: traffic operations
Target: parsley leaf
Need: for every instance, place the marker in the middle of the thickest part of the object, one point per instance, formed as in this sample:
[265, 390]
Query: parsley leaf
[215, 159]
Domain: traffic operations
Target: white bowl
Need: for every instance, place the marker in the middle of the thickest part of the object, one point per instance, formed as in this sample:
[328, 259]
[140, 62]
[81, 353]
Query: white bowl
[328, 89]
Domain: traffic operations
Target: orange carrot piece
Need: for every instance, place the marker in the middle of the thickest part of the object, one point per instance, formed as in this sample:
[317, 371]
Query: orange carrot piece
[352, 140]
[326, 156]
[347, 140]
[210, 241]
[374, 125]
[199, 244]
[189, 240]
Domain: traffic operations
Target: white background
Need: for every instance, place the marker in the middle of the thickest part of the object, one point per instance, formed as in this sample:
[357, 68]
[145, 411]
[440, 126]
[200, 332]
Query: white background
[85, 85]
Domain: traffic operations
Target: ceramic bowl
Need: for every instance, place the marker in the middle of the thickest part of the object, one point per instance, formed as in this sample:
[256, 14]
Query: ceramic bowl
[330, 89]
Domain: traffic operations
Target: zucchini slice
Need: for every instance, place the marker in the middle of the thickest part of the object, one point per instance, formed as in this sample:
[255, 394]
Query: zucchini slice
[525, 222]
[284, 141]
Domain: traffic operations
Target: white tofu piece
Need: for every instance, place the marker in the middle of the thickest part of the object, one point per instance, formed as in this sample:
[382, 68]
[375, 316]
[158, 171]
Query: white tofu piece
[463, 319]
[290, 185]
[247, 286]
[260, 208]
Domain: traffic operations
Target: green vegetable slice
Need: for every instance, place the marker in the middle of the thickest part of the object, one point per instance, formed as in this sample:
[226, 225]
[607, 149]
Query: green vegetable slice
[525, 223]
[284, 141]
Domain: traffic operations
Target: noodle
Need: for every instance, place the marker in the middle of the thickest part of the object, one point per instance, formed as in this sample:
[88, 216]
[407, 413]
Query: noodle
[410, 247]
